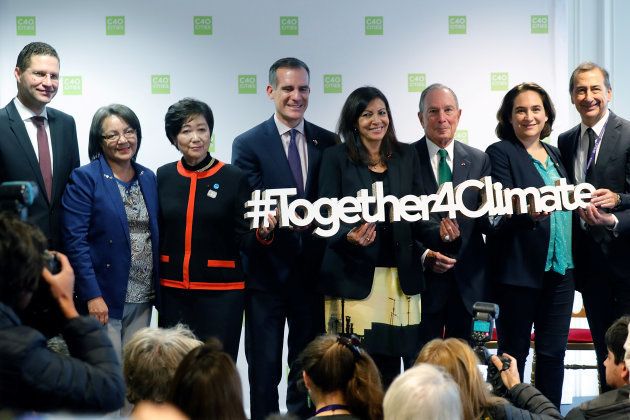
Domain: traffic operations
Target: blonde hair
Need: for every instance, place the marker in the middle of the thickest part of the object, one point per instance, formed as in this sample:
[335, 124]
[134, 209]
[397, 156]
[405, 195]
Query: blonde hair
[461, 362]
[423, 392]
[150, 360]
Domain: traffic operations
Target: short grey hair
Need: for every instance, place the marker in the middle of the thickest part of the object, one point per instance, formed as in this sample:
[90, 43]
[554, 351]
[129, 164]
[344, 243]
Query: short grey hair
[435, 86]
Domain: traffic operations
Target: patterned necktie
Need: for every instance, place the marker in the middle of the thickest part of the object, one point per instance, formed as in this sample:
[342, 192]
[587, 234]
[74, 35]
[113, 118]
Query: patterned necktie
[45, 165]
[295, 163]
[444, 171]
[591, 146]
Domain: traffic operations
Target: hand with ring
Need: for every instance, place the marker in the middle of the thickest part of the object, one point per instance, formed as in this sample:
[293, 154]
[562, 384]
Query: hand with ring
[363, 235]
[449, 230]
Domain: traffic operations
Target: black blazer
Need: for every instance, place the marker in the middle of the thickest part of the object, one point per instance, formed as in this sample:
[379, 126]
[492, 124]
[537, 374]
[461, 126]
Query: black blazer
[470, 270]
[347, 269]
[18, 162]
[518, 247]
[611, 171]
[259, 153]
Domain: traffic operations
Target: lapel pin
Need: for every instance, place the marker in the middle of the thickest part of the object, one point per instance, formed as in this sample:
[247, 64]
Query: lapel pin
[315, 142]
[212, 193]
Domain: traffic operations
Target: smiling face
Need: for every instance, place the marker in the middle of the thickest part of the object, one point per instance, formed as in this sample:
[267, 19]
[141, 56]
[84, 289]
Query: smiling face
[120, 141]
[590, 96]
[290, 94]
[440, 117]
[193, 139]
[38, 83]
[373, 122]
[528, 116]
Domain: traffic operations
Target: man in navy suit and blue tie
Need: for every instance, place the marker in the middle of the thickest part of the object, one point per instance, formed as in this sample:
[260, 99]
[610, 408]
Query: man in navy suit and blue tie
[597, 151]
[453, 282]
[283, 264]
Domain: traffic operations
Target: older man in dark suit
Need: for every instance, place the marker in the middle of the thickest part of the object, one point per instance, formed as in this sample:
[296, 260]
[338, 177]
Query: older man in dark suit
[453, 282]
[597, 151]
[282, 152]
[39, 144]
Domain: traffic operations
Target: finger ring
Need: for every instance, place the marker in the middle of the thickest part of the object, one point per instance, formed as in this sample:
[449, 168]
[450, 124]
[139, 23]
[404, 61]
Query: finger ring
[447, 238]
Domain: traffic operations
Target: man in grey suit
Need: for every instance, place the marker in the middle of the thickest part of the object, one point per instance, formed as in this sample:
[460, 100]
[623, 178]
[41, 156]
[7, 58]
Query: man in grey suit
[454, 282]
[597, 151]
[39, 144]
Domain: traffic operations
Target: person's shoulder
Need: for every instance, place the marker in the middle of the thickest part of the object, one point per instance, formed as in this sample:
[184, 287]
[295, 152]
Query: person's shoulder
[167, 168]
[254, 131]
[499, 145]
[54, 112]
[471, 150]
[569, 132]
[323, 134]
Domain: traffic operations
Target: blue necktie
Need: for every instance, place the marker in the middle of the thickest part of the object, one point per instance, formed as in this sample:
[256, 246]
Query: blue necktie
[295, 163]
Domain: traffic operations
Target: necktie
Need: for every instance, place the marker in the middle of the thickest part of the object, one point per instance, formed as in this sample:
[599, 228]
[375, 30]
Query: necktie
[444, 171]
[45, 165]
[591, 144]
[295, 163]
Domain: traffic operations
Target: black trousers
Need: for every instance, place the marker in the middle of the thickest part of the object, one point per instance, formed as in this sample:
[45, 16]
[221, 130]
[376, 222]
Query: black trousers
[549, 311]
[208, 313]
[265, 316]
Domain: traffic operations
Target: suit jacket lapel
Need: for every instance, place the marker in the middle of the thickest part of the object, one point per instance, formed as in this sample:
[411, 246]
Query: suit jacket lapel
[608, 145]
[314, 155]
[111, 186]
[429, 183]
[24, 142]
[276, 152]
[461, 164]
[394, 173]
[56, 136]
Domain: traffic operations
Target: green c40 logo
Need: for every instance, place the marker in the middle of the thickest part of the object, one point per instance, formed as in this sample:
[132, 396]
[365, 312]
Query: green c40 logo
[202, 25]
[374, 25]
[115, 25]
[25, 25]
[247, 83]
[499, 81]
[72, 85]
[160, 84]
[289, 25]
[457, 25]
[332, 83]
[416, 82]
[540, 24]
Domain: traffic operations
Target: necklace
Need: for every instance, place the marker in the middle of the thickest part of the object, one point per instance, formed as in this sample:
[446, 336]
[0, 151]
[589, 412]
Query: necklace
[332, 407]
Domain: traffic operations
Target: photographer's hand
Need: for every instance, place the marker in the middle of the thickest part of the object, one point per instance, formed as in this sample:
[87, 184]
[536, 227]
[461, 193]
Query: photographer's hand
[98, 309]
[62, 285]
[510, 376]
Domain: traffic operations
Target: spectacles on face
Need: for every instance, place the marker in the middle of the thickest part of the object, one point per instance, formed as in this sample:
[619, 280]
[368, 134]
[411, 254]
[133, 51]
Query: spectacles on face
[128, 133]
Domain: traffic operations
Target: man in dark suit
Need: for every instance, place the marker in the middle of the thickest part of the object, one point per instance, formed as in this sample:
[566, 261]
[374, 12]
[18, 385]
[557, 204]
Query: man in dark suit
[31, 149]
[453, 282]
[281, 268]
[597, 151]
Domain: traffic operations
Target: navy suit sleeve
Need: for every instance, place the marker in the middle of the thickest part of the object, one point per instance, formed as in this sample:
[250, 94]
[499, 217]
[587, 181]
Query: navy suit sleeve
[248, 160]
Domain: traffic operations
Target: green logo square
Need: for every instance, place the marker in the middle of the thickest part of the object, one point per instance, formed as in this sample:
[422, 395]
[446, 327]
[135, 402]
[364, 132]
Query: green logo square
[332, 83]
[161, 84]
[289, 25]
[462, 135]
[114, 25]
[457, 25]
[499, 81]
[202, 25]
[374, 25]
[72, 85]
[247, 83]
[25, 25]
[416, 82]
[540, 24]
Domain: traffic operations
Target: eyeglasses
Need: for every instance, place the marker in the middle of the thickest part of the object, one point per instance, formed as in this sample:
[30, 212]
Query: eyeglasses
[128, 133]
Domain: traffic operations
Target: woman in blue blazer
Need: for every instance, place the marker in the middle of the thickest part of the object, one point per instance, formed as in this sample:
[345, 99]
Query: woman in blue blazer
[530, 254]
[109, 230]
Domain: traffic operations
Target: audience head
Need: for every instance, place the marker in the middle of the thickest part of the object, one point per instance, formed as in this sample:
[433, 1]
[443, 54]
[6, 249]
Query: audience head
[289, 89]
[337, 365]
[110, 124]
[439, 114]
[617, 374]
[37, 75]
[367, 108]
[423, 392]
[151, 358]
[207, 384]
[508, 115]
[460, 361]
[21, 260]
[188, 124]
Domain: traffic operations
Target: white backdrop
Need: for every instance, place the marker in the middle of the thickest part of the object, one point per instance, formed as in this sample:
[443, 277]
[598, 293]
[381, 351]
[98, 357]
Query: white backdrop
[418, 37]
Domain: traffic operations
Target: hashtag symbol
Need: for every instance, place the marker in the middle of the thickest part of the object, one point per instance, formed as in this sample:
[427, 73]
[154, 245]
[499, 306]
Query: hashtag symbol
[260, 206]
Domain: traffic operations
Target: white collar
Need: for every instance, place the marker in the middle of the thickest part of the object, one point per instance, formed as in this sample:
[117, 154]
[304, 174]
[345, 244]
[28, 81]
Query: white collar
[283, 128]
[25, 113]
[434, 148]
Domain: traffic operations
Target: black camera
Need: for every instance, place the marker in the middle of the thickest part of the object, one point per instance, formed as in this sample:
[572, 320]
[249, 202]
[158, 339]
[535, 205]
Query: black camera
[484, 315]
[42, 313]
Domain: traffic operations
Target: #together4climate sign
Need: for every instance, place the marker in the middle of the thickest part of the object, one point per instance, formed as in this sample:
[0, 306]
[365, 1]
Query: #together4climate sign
[329, 213]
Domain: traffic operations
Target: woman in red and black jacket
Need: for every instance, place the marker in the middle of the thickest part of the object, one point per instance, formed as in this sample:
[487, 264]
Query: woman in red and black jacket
[201, 227]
